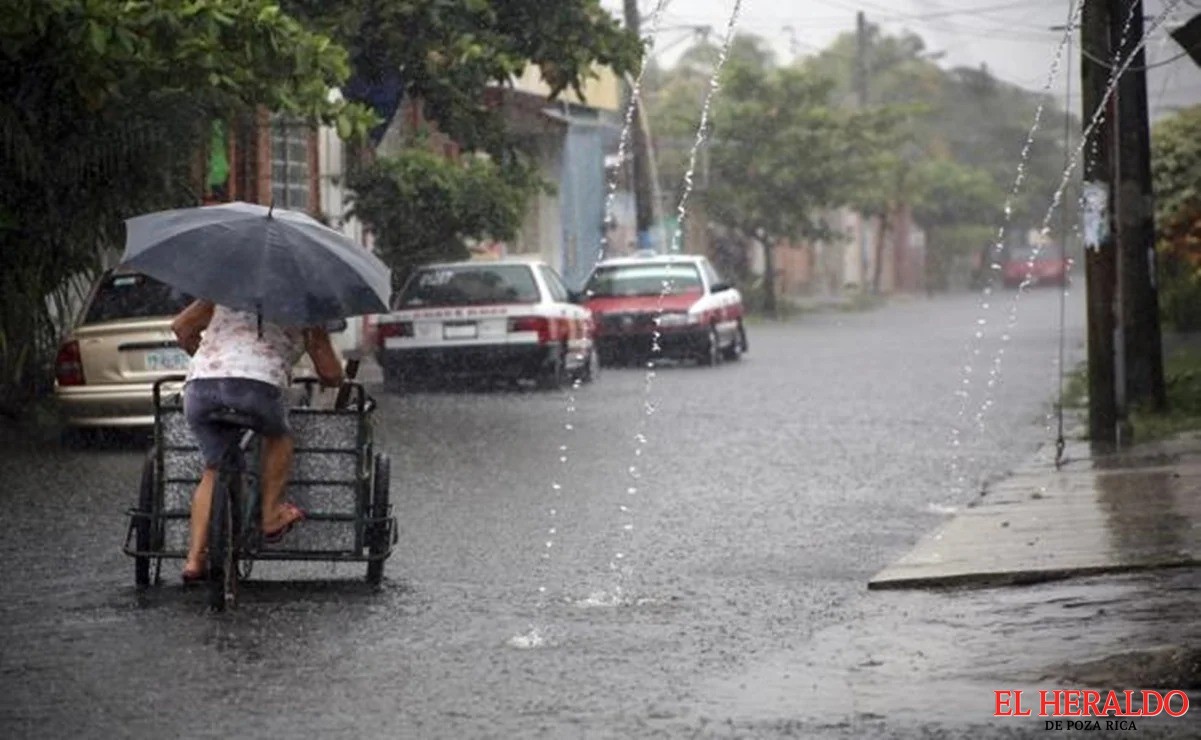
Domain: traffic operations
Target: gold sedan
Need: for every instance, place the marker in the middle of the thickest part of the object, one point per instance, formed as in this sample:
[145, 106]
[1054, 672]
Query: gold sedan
[121, 344]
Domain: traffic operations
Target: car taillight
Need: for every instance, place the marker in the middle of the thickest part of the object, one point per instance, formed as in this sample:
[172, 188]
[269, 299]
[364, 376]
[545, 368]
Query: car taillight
[539, 324]
[68, 365]
[393, 329]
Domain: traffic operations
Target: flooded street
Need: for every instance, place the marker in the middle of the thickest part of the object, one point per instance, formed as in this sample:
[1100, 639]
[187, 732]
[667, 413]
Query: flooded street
[769, 491]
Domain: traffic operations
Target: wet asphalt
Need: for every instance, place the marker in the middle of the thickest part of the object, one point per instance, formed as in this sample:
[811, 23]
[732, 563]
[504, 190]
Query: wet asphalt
[713, 533]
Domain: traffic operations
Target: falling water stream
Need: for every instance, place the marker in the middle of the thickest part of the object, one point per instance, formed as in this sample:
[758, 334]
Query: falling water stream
[619, 564]
[535, 636]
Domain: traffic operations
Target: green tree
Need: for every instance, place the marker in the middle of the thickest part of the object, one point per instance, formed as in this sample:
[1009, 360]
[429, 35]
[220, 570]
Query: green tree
[965, 115]
[103, 107]
[1176, 178]
[424, 208]
[957, 206]
[782, 155]
[447, 53]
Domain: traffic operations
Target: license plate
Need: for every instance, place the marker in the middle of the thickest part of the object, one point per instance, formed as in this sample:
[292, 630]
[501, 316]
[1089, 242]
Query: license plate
[167, 360]
[460, 331]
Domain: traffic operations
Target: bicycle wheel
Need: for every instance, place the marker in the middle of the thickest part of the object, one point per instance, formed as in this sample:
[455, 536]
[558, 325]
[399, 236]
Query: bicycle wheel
[144, 524]
[378, 533]
[222, 565]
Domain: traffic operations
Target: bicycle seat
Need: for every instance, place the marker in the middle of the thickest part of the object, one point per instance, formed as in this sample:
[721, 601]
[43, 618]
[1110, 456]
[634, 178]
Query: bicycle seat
[230, 417]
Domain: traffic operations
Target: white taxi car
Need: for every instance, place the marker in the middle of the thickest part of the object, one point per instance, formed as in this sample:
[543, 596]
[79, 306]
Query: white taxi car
[507, 319]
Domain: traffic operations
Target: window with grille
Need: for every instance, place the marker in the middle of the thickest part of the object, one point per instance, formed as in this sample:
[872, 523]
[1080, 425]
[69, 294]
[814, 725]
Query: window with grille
[290, 163]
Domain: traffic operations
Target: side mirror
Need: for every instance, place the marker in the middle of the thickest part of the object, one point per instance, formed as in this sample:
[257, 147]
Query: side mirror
[336, 326]
[720, 287]
[575, 296]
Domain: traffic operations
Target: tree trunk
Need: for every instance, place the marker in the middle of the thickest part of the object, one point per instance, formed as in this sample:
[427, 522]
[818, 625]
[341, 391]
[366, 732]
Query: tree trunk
[769, 279]
[878, 270]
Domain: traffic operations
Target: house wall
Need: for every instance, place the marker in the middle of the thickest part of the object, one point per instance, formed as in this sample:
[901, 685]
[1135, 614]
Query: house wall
[829, 267]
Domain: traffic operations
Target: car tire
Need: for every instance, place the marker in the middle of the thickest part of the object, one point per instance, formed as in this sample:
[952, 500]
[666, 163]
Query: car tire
[553, 375]
[591, 368]
[712, 352]
[737, 346]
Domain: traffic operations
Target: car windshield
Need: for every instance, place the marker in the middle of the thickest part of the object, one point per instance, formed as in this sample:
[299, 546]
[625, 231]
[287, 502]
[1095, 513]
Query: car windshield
[134, 296]
[469, 286]
[644, 280]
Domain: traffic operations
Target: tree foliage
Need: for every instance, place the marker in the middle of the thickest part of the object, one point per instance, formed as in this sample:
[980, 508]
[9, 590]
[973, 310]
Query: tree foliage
[103, 107]
[423, 207]
[447, 53]
[944, 144]
[1176, 178]
[782, 154]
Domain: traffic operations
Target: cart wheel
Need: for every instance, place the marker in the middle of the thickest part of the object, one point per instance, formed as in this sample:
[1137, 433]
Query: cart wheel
[144, 525]
[377, 537]
[222, 560]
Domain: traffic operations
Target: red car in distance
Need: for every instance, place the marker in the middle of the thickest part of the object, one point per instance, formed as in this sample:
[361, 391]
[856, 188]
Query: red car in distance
[1045, 266]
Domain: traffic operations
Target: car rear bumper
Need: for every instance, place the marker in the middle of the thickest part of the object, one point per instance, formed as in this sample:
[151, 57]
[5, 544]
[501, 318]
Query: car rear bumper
[126, 405]
[496, 360]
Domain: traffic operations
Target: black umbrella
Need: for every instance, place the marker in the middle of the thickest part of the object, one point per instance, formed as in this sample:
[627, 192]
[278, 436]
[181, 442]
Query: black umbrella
[286, 266]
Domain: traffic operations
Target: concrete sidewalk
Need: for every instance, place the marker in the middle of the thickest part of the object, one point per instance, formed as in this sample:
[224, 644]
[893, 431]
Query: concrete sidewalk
[1137, 510]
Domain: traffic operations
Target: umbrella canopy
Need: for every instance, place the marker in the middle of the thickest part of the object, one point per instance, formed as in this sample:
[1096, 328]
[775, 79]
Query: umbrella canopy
[285, 265]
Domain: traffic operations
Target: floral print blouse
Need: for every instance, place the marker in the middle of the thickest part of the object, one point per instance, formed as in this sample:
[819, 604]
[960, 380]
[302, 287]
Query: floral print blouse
[232, 347]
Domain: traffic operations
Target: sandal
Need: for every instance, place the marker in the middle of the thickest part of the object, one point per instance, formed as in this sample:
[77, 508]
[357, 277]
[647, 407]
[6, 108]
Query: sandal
[298, 515]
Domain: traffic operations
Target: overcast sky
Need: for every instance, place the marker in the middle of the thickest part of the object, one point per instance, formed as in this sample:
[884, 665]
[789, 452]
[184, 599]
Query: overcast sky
[1012, 37]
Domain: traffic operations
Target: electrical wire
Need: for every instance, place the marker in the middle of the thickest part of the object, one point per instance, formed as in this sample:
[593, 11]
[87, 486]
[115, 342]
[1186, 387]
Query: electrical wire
[1162, 63]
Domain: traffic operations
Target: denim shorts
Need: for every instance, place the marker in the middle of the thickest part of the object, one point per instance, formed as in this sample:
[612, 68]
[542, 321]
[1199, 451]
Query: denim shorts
[263, 401]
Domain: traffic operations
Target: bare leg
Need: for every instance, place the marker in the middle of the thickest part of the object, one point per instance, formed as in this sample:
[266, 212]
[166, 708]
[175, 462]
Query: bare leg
[202, 502]
[277, 465]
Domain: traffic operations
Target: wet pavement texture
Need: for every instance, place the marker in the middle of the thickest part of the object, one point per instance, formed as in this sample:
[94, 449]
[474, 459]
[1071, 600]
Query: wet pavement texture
[1136, 510]
[768, 492]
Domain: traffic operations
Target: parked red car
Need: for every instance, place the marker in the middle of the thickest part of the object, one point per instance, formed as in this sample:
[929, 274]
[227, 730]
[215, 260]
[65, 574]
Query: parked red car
[1047, 266]
[677, 303]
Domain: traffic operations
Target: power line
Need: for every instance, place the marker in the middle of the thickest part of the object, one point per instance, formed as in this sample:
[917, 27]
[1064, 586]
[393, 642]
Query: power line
[1162, 63]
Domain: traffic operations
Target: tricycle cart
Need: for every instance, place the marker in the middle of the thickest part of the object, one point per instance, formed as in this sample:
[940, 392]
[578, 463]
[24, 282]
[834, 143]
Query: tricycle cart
[337, 477]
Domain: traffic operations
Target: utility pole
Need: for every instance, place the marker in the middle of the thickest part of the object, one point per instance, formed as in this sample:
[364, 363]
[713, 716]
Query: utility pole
[1101, 249]
[1135, 218]
[861, 100]
[643, 206]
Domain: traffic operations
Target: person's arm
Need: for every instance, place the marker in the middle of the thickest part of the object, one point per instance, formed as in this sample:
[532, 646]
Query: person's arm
[326, 361]
[190, 322]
